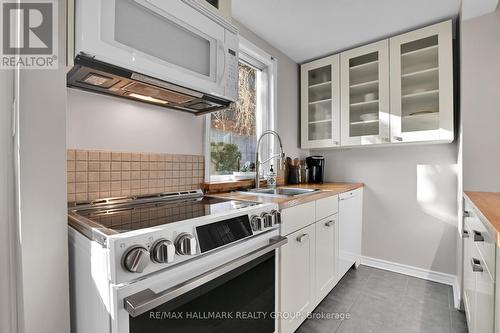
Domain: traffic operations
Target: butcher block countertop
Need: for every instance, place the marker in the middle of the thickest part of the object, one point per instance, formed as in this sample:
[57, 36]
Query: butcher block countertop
[326, 190]
[488, 203]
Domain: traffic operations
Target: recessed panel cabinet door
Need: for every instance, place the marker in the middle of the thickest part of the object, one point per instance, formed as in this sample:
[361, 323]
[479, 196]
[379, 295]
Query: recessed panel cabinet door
[422, 85]
[326, 252]
[297, 277]
[365, 95]
[469, 277]
[320, 102]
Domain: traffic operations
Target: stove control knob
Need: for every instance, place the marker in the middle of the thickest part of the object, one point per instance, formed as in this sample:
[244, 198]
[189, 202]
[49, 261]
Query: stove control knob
[268, 220]
[136, 259]
[256, 223]
[276, 216]
[185, 244]
[163, 251]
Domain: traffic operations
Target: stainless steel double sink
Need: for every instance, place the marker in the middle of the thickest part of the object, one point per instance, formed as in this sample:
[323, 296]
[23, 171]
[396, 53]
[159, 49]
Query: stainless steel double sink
[280, 192]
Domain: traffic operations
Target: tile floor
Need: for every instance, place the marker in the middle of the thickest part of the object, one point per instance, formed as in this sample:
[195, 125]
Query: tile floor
[379, 301]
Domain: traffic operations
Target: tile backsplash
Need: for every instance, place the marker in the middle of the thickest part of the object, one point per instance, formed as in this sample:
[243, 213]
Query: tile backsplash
[103, 174]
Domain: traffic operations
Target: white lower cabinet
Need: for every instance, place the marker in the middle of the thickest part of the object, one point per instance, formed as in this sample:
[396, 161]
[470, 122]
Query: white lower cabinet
[309, 261]
[350, 228]
[297, 278]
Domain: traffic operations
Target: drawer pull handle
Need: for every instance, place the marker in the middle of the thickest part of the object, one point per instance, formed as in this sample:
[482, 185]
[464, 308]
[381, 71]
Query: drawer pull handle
[329, 223]
[302, 238]
[467, 213]
[465, 234]
[478, 237]
[476, 265]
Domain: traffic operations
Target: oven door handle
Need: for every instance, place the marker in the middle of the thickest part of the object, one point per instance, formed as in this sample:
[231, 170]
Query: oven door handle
[147, 299]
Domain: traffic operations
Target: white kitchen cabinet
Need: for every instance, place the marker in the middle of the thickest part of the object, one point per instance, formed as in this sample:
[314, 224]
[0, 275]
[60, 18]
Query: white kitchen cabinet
[326, 256]
[364, 96]
[422, 85]
[297, 277]
[350, 230]
[320, 103]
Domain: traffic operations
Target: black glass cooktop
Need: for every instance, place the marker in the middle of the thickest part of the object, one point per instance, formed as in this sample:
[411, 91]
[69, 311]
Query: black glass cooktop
[136, 216]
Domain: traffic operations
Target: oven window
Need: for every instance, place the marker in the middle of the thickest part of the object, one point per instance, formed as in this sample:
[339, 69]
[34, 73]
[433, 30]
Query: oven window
[242, 300]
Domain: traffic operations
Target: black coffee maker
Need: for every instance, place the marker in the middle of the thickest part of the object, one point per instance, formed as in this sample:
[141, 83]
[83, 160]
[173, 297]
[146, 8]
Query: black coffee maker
[315, 169]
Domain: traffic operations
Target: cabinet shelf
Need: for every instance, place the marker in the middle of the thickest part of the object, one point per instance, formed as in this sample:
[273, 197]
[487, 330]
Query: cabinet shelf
[353, 105]
[364, 84]
[364, 122]
[423, 50]
[362, 66]
[320, 121]
[320, 101]
[322, 84]
[420, 94]
[421, 72]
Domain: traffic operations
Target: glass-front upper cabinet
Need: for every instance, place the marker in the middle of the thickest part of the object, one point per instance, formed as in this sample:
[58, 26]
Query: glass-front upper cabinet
[320, 102]
[365, 95]
[422, 85]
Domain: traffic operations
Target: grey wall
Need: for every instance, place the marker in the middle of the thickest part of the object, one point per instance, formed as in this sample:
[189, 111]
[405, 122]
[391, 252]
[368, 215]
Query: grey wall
[481, 102]
[7, 222]
[104, 122]
[410, 202]
[42, 220]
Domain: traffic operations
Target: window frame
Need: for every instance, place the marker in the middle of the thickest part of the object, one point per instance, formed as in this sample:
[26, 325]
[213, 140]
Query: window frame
[266, 99]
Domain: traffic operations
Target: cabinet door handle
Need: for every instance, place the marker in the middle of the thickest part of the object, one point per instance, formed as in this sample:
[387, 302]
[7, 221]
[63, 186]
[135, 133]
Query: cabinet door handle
[329, 223]
[302, 238]
[476, 265]
[478, 237]
[465, 234]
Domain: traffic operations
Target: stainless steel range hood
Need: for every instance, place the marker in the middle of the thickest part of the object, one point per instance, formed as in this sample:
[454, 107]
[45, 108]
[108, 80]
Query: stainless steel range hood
[96, 76]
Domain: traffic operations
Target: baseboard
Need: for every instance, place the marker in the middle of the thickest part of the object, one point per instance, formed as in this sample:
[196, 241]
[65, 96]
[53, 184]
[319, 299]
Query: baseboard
[417, 272]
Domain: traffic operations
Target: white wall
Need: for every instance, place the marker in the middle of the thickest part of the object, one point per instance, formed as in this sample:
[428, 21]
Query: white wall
[481, 102]
[105, 122]
[410, 202]
[43, 220]
[7, 222]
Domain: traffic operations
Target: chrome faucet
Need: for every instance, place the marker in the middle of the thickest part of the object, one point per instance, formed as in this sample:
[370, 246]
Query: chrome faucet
[257, 163]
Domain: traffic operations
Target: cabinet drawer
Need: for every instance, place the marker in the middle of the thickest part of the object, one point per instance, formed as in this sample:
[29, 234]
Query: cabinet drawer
[295, 218]
[327, 206]
[483, 238]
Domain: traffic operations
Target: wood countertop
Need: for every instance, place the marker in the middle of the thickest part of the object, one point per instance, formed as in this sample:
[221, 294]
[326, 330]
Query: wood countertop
[326, 190]
[488, 204]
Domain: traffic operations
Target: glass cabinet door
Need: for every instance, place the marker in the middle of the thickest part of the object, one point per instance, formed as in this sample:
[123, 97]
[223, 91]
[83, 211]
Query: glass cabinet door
[422, 85]
[320, 103]
[365, 95]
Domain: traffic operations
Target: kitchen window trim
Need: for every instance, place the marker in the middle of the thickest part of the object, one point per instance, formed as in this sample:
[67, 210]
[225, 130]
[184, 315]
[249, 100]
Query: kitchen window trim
[267, 98]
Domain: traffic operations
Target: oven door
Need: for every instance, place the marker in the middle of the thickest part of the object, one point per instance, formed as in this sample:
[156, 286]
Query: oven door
[237, 296]
[168, 40]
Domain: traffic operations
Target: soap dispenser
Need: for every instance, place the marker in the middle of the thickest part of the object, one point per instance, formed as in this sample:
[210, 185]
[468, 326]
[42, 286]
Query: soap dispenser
[271, 177]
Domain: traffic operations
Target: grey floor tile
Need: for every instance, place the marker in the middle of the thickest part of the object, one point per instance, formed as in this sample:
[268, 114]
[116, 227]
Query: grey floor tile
[424, 290]
[458, 321]
[416, 315]
[386, 285]
[364, 326]
[374, 309]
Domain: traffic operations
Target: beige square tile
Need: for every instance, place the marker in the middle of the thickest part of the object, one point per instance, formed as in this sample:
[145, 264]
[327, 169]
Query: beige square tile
[70, 155]
[125, 193]
[80, 197]
[71, 188]
[182, 181]
[144, 166]
[116, 175]
[175, 181]
[144, 190]
[104, 176]
[81, 188]
[153, 165]
[152, 183]
[162, 157]
[126, 157]
[153, 174]
[82, 155]
[116, 186]
[104, 186]
[182, 158]
[135, 191]
[135, 166]
[160, 182]
[144, 174]
[176, 166]
[169, 157]
[144, 183]
[93, 195]
[105, 156]
[182, 173]
[71, 198]
[136, 157]
[201, 158]
[175, 174]
[134, 175]
[93, 176]
[169, 166]
[104, 166]
[162, 166]
[116, 166]
[81, 166]
[144, 157]
[126, 175]
[81, 177]
[169, 174]
[125, 185]
[176, 158]
[93, 155]
[70, 166]
[104, 194]
[70, 177]
[135, 184]
[93, 187]
[189, 166]
[93, 166]
[153, 157]
[116, 157]
[126, 166]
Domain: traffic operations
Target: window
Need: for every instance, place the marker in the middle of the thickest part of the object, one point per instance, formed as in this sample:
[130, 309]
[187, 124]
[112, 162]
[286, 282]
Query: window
[231, 138]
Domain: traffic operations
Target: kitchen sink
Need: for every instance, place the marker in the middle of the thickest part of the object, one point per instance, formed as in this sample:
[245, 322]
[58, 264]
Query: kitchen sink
[281, 191]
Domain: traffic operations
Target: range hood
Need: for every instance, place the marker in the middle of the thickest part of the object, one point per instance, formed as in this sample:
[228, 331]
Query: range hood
[93, 75]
